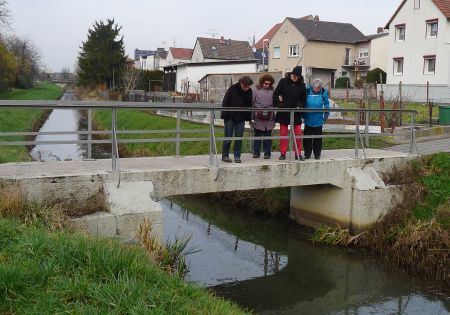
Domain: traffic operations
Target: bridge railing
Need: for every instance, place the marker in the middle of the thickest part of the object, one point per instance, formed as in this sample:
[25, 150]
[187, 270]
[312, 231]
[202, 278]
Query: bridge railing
[361, 135]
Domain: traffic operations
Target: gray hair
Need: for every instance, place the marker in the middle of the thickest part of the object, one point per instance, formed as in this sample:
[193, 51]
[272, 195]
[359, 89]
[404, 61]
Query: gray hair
[317, 83]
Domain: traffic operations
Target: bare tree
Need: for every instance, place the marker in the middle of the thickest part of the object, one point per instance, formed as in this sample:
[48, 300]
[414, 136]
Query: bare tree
[131, 77]
[27, 55]
[5, 15]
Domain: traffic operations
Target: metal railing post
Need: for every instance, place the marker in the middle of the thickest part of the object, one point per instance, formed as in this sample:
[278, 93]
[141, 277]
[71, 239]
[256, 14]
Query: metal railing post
[89, 146]
[177, 143]
[357, 134]
[367, 129]
[291, 130]
[211, 138]
[413, 133]
[113, 138]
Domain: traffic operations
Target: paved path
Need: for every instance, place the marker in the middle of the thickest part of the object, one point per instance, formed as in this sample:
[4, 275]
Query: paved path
[425, 147]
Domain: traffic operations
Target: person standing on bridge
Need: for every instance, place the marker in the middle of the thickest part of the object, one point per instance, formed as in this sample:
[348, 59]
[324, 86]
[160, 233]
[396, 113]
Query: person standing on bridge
[317, 97]
[237, 95]
[264, 118]
[290, 93]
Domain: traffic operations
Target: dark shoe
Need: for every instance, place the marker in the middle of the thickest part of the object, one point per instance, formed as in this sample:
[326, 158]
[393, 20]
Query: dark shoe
[256, 155]
[226, 159]
[266, 156]
[282, 157]
[299, 158]
[307, 157]
[317, 157]
[237, 160]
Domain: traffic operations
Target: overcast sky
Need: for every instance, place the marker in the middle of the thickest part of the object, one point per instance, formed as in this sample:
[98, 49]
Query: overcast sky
[58, 27]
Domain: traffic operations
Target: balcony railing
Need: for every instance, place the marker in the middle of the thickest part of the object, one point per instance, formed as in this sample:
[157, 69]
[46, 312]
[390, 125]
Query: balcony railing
[356, 62]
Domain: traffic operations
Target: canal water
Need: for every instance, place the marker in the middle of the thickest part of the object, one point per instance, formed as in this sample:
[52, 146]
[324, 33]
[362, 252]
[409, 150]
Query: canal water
[271, 266]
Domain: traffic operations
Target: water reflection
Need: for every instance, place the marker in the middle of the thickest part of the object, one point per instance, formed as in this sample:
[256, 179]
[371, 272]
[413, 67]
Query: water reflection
[271, 268]
[60, 120]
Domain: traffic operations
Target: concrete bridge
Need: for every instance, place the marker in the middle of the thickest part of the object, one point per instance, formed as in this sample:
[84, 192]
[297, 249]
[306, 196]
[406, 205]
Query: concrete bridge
[338, 189]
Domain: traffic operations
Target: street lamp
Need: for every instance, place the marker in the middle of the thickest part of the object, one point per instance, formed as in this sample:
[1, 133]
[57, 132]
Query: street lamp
[264, 54]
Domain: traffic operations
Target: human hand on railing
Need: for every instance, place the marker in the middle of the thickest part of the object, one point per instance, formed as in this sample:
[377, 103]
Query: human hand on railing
[280, 98]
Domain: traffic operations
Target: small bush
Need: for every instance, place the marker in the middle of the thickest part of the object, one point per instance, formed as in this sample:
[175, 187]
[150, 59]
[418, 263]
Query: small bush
[374, 76]
[342, 83]
[359, 83]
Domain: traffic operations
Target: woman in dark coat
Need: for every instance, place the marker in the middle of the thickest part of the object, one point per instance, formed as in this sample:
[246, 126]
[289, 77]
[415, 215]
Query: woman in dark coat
[237, 95]
[290, 93]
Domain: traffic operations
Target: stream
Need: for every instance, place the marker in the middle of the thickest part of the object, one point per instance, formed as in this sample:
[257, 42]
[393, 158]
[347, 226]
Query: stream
[269, 266]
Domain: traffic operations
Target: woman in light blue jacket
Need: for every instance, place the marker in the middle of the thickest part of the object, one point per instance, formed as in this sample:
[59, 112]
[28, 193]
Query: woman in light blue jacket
[317, 97]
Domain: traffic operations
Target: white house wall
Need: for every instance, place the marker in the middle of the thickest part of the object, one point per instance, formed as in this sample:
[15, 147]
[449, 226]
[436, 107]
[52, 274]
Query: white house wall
[194, 73]
[379, 53]
[416, 45]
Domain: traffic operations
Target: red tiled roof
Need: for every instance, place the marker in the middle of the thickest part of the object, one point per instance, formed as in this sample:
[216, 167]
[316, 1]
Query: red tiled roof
[181, 53]
[443, 6]
[268, 35]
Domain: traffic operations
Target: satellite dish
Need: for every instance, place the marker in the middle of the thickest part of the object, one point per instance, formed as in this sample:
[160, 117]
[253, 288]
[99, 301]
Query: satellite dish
[254, 49]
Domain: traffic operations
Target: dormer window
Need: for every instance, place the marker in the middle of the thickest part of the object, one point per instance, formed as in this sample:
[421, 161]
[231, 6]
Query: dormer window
[432, 28]
[400, 31]
[213, 48]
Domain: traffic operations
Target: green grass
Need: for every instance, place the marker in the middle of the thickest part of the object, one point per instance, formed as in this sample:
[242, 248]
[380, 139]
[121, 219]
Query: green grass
[23, 119]
[436, 180]
[140, 120]
[422, 117]
[64, 272]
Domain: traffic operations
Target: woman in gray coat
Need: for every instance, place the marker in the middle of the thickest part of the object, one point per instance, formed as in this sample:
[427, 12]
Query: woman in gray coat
[264, 119]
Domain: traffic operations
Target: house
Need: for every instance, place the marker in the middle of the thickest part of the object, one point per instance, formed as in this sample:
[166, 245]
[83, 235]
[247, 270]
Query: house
[160, 59]
[221, 49]
[143, 59]
[178, 55]
[419, 48]
[324, 49]
[262, 48]
[210, 56]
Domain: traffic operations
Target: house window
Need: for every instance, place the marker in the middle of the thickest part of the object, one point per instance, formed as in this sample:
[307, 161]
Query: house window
[293, 51]
[432, 28]
[276, 52]
[364, 52]
[429, 64]
[344, 73]
[416, 4]
[398, 66]
[400, 32]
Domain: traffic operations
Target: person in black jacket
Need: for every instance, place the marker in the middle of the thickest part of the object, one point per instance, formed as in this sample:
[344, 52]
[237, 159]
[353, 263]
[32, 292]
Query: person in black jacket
[290, 93]
[237, 95]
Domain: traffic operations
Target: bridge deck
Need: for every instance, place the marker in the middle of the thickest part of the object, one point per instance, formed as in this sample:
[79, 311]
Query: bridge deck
[148, 164]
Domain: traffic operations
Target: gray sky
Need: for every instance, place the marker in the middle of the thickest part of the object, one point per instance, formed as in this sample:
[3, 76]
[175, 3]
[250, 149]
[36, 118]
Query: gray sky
[58, 27]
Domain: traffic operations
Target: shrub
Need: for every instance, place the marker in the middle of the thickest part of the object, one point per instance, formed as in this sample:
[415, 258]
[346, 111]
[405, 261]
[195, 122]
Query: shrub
[342, 82]
[374, 76]
[359, 83]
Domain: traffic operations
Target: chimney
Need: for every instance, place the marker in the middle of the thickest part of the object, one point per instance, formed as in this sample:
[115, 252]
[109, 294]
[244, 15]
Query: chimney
[316, 20]
[222, 40]
[380, 30]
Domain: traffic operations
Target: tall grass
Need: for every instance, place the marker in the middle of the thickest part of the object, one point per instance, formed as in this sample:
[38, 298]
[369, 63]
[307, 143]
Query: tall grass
[48, 270]
[415, 235]
[24, 119]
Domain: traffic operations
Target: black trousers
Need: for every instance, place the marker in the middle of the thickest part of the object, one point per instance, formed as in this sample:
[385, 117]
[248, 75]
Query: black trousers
[312, 145]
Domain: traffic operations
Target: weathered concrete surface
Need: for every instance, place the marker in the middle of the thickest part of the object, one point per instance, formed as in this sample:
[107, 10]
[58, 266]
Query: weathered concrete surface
[80, 182]
[128, 206]
[362, 201]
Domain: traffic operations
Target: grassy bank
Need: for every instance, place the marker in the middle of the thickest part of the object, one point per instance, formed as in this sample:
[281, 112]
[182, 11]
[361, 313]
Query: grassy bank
[46, 269]
[416, 235]
[141, 120]
[24, 119]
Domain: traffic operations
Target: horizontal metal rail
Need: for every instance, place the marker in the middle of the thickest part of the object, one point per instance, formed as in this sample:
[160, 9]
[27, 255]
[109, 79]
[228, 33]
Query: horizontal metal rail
[211, 109]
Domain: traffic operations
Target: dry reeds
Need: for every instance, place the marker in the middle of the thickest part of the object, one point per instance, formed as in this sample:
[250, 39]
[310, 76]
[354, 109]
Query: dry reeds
[14, 206]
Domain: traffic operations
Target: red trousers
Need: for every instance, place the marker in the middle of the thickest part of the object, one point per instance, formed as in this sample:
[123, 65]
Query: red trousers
[284, 131]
